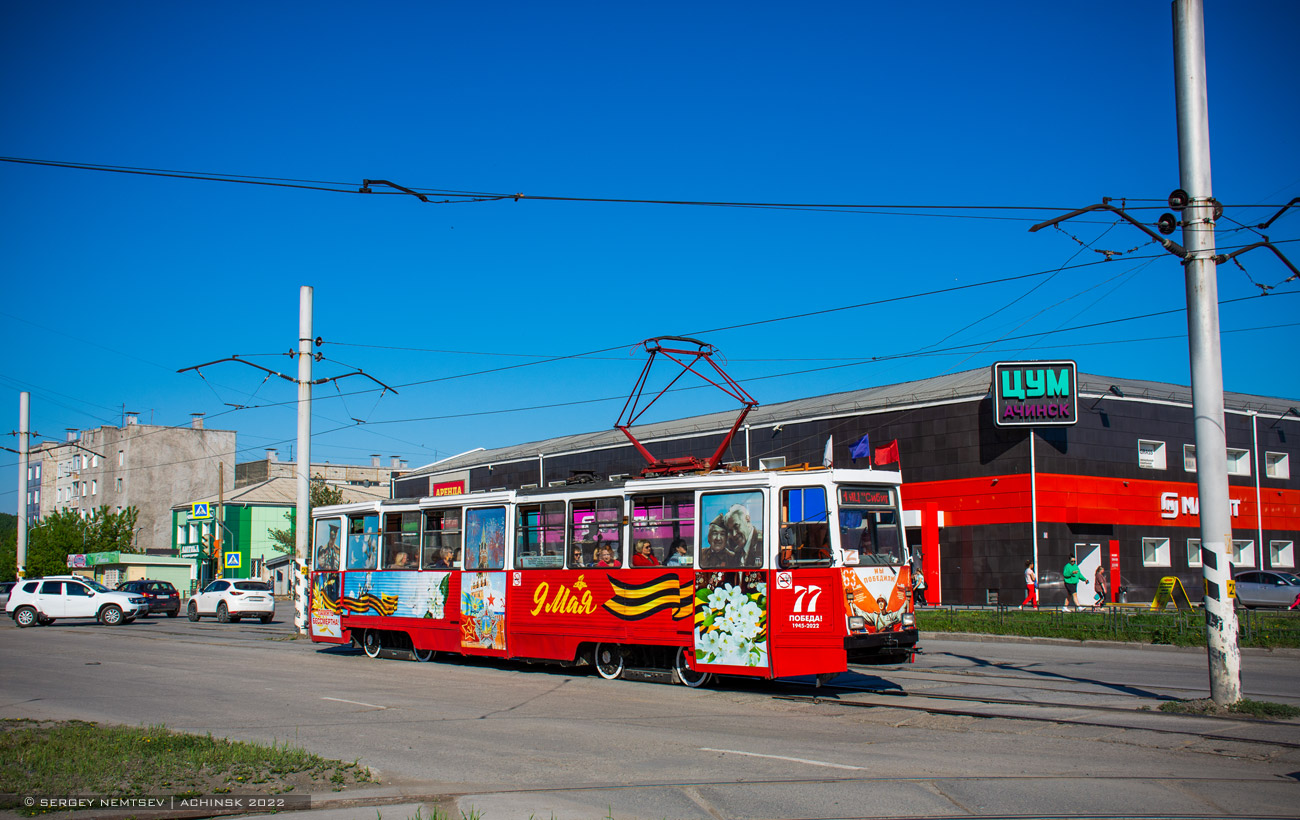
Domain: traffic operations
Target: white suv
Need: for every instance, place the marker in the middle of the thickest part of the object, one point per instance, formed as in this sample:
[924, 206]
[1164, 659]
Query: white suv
[44, 600]
[231, 600]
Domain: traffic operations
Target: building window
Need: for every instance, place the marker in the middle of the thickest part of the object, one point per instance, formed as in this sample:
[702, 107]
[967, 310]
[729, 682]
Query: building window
[37, 497]
[1151, 455]
[1281, 554]
[1189, 457]
[94, 461]
[1155, 552]
[1276, 465]
[1243, 553]
[121, 458]
[94, 486]
[1194, 553]
[1238, 462]
[119, 484]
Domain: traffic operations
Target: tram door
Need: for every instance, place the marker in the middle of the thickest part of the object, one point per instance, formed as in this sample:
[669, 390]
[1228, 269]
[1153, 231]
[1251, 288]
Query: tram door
[324, 611]
[731, 616]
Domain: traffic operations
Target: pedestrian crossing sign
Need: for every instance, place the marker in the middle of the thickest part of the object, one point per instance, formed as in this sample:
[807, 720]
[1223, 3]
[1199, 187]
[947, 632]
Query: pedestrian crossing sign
[200, 509]
[232, 560]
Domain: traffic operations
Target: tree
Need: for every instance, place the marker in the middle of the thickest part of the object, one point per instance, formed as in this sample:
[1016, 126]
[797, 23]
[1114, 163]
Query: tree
[320, 494]
[52, 539]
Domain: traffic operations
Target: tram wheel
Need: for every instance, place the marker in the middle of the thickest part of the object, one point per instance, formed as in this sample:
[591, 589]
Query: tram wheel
[693, 678]
[608, 660]
[423, 655]
[371, 643]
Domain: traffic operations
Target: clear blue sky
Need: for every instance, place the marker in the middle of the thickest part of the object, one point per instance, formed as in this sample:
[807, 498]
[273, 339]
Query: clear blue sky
[113, 282]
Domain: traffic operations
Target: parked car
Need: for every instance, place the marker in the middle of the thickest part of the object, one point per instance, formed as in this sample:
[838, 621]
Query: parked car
[162, 596]
[44, 600]
[231, 600]
[1261, 587]
[5, 586]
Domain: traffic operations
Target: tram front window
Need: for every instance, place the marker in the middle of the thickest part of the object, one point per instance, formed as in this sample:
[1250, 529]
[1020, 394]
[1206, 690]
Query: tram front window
[869, 530]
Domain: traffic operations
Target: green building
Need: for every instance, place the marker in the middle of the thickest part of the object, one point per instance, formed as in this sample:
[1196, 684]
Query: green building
[245, 516]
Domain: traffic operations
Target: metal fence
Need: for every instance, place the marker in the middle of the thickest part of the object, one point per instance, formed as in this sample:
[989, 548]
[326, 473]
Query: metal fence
[1134, 623]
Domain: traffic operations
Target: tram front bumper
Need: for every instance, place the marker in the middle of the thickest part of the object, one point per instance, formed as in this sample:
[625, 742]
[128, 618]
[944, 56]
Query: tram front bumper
[865, 646]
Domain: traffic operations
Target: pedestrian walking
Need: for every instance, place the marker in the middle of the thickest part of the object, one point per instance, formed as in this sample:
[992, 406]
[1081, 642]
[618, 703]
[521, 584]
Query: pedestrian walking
[918, 587]
[1100, 589]
[1072, 577]
[1031, 586]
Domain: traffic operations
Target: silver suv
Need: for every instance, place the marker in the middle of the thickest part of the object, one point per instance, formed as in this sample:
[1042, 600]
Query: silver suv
[44, 600]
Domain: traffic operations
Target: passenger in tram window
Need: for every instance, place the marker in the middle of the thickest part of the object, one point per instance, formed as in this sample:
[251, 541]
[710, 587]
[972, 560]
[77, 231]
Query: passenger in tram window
[643, 554]
[606, 558]
[442, 559]
[576, 561]
[401, 560]
[680, 554]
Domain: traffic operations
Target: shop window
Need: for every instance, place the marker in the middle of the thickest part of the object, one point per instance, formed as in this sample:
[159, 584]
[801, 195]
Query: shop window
[1194, 553]
[1243, 553]
[1155, 552]
[668, 523]
[1151, 455]
[1281, 554]
[1277, 465]
[539, 535]
[442, 539]
[1189, 457]
[1238, 462]
[596, 525]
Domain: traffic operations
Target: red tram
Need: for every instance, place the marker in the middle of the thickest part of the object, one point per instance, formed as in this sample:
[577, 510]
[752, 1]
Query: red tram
[769, 574]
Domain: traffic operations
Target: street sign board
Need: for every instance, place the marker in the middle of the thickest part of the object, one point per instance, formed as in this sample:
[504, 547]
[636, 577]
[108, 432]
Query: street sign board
[1035, 394]
[190, 551]
[232, 560]
[201, 509]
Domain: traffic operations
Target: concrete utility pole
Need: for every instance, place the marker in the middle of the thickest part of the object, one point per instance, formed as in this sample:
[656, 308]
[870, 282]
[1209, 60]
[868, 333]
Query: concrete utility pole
[24, 422]
[1203, 346]
[302, 529]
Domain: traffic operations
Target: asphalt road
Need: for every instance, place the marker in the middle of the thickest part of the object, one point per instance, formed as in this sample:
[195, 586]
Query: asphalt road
[509, 740]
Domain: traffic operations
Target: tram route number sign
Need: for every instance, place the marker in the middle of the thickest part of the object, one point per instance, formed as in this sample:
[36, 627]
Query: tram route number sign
[1035, 394]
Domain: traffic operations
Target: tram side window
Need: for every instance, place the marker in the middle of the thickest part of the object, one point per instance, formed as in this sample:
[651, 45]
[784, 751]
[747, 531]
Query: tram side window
[668, 523]
[328, 538]
[804, 540]
[596, 532]
[441, 548]
[402, 540]
[539, 535]
[363, 542]
[732, 538]
[485, 538]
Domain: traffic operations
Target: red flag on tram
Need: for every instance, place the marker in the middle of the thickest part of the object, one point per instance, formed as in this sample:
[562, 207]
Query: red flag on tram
[887, 454]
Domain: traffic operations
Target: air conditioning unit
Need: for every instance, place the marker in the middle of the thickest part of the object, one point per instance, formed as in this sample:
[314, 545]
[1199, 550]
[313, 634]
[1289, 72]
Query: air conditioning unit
[773, 463]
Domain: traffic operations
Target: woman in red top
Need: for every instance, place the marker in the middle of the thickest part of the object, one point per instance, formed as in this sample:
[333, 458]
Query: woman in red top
[643, 555]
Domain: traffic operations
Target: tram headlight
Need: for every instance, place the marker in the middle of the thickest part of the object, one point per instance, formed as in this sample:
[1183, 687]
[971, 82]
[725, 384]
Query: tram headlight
[909, 619]
[857, 622]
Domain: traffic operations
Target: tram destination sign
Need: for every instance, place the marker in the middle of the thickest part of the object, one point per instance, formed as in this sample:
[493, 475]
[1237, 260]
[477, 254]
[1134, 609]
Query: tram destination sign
[1035, 394]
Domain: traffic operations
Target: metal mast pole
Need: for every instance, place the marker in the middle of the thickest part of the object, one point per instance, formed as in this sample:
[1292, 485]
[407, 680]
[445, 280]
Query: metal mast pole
[24, 422]
[302, 530]
[1203, 345]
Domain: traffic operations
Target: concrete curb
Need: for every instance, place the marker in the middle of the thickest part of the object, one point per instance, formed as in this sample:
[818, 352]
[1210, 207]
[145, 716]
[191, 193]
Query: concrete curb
[980, 637]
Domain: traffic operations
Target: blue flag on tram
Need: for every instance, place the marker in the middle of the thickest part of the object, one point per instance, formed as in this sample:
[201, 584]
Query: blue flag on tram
[862, 449]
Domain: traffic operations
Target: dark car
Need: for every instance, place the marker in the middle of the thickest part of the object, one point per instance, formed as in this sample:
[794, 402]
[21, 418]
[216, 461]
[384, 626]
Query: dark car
[162, 596]
[4, 593]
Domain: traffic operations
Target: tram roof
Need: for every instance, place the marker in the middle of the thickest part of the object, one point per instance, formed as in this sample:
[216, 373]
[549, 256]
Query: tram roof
[967, 385]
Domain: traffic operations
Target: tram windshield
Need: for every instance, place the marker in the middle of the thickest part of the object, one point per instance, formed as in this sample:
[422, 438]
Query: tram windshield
[869, 527]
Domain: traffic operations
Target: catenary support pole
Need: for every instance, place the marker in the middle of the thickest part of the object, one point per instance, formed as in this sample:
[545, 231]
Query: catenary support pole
[1203, 347]
[24, 423]
[302, 528]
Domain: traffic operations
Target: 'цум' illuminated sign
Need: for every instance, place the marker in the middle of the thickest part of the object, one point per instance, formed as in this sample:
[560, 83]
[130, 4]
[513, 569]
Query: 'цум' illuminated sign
[1035, 394]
